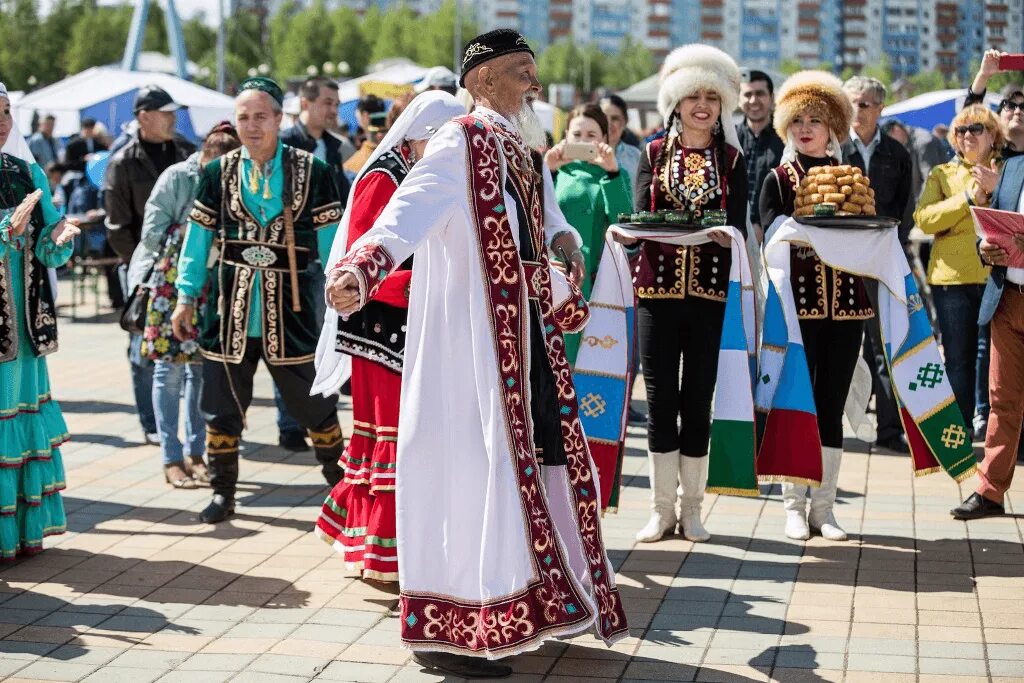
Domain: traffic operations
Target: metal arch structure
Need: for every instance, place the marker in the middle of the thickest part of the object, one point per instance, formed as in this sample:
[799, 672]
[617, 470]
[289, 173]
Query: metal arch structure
[175, 38]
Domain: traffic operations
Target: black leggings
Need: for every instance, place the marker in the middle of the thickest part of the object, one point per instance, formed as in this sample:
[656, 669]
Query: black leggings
[673, 332]
[832, 348]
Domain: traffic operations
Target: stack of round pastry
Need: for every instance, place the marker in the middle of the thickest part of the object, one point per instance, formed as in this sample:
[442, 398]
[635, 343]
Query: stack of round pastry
[844, 187]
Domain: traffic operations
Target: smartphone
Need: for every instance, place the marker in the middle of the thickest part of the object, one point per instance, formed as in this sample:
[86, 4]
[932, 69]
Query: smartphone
[585, 151]
[1011, 63]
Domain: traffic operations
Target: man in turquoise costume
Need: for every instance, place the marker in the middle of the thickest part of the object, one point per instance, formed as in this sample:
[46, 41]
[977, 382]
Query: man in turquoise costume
[263, 213]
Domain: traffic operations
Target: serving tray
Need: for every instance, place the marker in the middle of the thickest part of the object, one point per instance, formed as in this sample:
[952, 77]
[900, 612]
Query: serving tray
[850, 222]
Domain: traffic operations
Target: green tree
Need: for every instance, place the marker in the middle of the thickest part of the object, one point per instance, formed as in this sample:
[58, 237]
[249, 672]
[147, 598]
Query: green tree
[155, 37]
[565, 62]
[19, 52]
[55, 32]
[882, 71]
[396, 36]
[310, 33]
[440, 26]
[279, 29]
[633, 62]
[98, 38]
[926, 81]
[788, 67]
[349, 43]
[200, 39]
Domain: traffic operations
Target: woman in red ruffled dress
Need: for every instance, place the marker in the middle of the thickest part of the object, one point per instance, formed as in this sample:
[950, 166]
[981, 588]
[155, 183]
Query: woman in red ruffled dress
[358, 517]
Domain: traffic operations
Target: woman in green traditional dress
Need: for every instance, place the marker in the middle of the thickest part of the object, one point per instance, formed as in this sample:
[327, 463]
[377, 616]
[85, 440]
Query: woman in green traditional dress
[33, 237]
[590, 193]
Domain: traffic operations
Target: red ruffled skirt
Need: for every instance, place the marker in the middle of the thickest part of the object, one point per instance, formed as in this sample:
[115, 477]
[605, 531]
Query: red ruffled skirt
[358, 516]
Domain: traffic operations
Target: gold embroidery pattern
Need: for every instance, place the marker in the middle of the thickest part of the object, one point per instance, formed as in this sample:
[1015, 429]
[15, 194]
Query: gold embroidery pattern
[677, 290]
[848, 289]
[819, 310]
[714, 291]
[272, 315]
[327, 215]
[203, 215]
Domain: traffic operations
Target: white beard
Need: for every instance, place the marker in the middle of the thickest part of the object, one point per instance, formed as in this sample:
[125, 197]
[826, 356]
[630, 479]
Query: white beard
[529, 126]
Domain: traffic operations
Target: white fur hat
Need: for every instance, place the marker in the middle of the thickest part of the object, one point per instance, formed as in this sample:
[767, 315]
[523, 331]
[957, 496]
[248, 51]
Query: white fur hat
[694, 67]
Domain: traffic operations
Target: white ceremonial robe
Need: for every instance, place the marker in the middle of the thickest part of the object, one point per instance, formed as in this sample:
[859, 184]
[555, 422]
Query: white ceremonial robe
[466, 550]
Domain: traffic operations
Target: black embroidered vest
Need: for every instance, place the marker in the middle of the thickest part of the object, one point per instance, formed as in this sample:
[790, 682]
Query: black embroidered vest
[40, 312]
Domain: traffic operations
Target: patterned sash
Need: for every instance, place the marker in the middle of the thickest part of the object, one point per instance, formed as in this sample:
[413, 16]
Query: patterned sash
[935, 430]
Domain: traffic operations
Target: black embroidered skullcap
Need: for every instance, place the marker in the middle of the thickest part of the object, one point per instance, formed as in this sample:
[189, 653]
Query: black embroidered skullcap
[483, 48]
[263, 84]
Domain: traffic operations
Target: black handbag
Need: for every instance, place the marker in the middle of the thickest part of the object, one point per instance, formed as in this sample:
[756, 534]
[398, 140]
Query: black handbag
[136, 307]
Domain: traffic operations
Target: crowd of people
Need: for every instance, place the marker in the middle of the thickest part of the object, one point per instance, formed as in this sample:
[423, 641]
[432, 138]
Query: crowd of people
[439, 265]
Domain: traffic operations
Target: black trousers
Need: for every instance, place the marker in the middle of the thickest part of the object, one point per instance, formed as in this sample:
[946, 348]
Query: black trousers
[227, 394]
[673, 333]
[224, 414]
[832, 348]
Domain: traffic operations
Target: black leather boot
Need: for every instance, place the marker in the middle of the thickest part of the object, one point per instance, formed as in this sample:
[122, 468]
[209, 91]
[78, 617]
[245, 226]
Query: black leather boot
[328, 446]
[462, 666]
[222, 451]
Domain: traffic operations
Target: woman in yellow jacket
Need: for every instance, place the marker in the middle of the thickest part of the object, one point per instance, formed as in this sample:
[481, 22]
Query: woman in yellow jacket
[955, 273]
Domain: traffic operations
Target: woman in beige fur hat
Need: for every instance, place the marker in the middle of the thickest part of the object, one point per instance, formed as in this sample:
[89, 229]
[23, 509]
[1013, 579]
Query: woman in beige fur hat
[681, 291]
[812, 113]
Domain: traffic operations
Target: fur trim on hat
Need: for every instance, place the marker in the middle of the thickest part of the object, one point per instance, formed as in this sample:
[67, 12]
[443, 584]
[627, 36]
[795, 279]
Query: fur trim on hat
[817, 91]
[690, 68]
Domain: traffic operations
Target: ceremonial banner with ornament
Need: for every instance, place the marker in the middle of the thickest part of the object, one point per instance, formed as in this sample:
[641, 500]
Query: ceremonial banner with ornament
[938, 437]
[605, 362]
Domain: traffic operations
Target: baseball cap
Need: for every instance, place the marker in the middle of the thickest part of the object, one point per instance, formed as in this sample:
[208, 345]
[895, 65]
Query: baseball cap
[154, 98]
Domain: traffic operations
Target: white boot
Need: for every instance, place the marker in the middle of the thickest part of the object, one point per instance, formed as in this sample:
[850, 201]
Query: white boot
[794, 501]
[663, 468]
[693, 474]
[823, 499]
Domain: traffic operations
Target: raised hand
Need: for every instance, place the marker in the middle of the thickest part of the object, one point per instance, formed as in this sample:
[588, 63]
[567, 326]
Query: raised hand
[606, 158]
[66, 231]
[23, 213]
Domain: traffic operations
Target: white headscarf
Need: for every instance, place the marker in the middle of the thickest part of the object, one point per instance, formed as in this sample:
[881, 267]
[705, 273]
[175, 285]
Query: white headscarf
[421, 119]
[16, 145]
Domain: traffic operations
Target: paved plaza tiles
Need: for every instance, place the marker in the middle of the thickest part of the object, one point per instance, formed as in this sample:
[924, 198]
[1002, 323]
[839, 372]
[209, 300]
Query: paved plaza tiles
[138, 591]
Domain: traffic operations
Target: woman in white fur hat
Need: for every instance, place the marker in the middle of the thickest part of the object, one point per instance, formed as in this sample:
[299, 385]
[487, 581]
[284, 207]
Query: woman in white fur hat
[811, 113]
[681, 291]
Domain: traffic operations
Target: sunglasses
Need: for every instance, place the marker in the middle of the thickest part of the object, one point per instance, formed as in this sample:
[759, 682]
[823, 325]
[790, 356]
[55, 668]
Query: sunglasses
[1012, 106]
[973, 129]
[866, 105]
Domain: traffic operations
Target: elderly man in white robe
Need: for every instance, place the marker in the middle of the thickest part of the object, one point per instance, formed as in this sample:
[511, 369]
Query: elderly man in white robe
[497, 498]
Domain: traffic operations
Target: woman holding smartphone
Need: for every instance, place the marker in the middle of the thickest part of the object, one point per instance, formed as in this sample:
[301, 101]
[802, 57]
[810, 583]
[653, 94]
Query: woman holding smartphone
[681, 291]
[590, 187]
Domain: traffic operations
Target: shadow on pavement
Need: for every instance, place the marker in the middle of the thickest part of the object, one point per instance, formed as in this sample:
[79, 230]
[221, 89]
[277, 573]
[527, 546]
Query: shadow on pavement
[896, 562]
[95, 407]
[154, 581]
[50, 618]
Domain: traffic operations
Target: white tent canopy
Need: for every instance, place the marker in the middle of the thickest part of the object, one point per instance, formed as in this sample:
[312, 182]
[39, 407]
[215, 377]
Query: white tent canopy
[107, 93]
[397, 71]
[924, 111]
